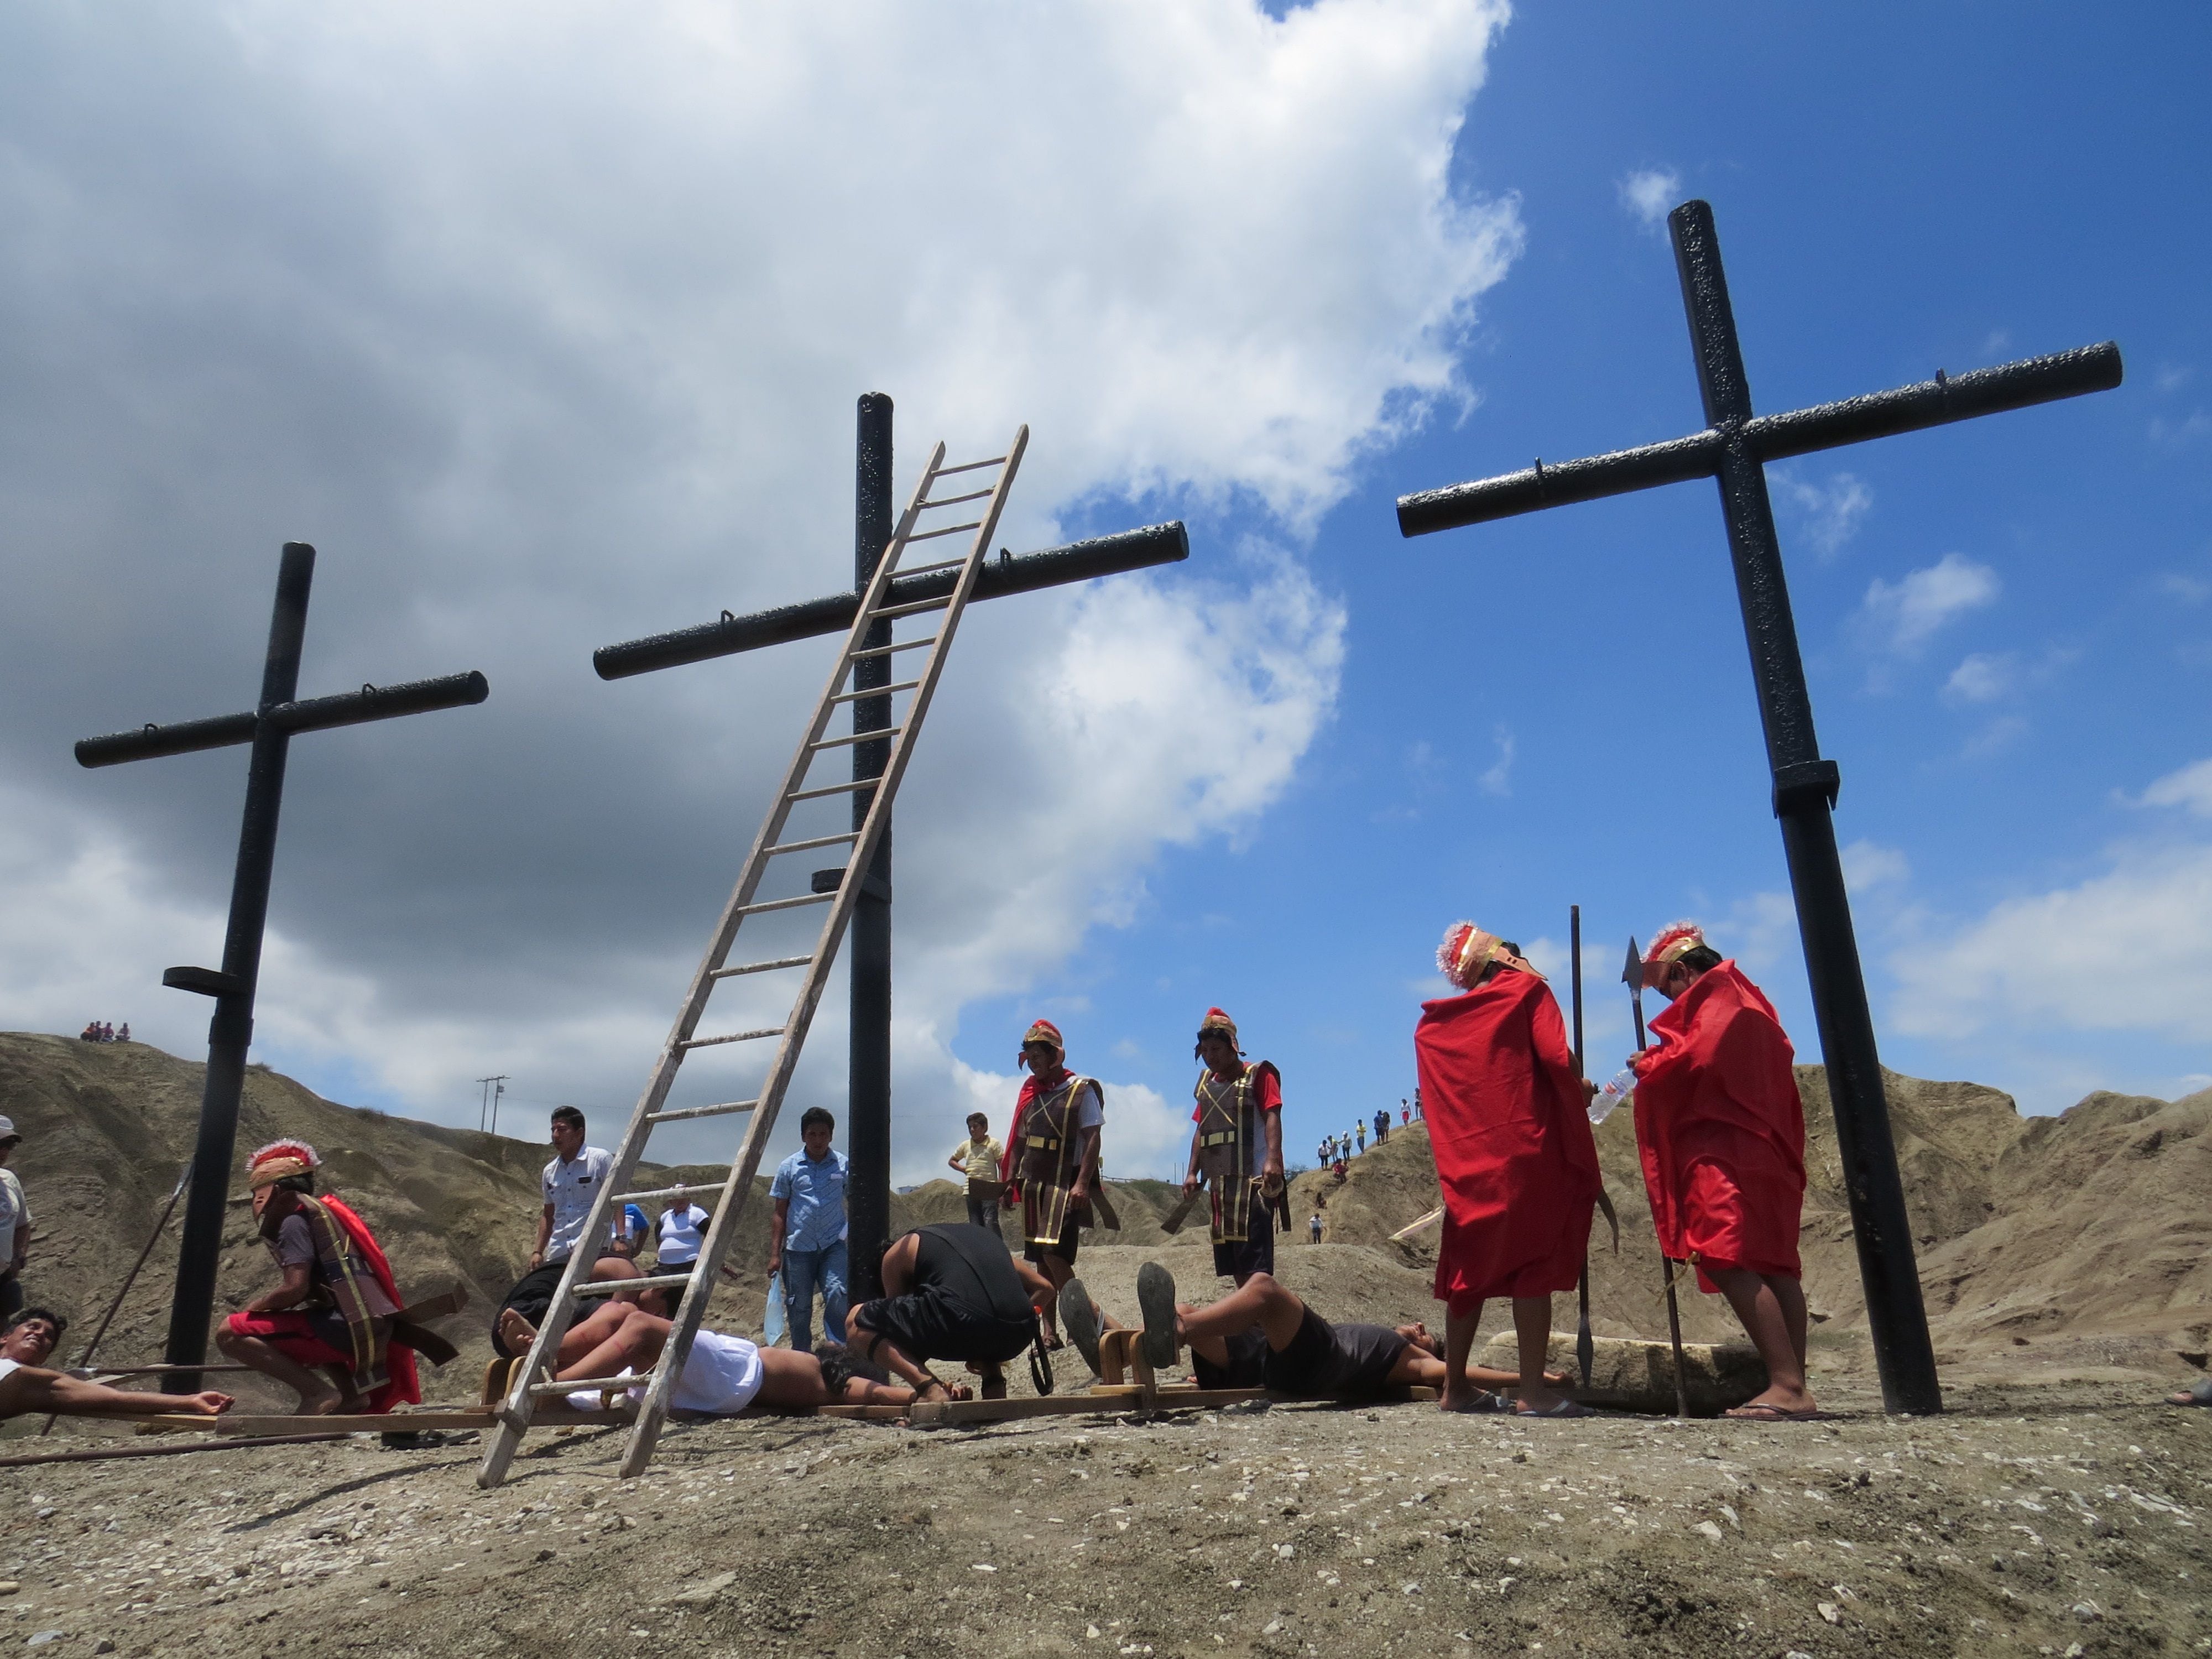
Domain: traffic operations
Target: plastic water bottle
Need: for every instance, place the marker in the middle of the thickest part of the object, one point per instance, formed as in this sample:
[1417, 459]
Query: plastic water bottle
[1617, 1089]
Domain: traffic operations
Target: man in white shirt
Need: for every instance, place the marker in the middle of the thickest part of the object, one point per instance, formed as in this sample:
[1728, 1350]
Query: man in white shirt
[14, 1225]
[572, 1180]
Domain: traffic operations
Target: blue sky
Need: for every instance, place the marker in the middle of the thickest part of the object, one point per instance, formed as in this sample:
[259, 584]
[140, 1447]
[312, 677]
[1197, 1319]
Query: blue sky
[546, 323]
[1557, 710]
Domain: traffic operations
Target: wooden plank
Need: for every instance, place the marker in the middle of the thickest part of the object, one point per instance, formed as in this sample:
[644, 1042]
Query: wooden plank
[469, 1416]
[930, 1413]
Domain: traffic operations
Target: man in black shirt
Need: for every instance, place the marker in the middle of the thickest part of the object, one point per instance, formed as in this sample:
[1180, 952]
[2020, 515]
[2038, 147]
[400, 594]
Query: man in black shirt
[952, 1291]
[1262, 1336]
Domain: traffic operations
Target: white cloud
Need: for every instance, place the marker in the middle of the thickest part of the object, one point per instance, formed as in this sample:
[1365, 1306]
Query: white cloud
[1828, 514]
[1905, 616]
[1867, 867]
[1650, 193]
[1498, 778]
[1983, 677]
[2189, 787]
[546, 322]
[2127, 951]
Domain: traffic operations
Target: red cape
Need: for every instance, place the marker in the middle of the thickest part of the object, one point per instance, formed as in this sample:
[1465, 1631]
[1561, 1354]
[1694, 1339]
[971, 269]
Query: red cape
[1512, 1135]
[405, 1387]
[1722, 1131]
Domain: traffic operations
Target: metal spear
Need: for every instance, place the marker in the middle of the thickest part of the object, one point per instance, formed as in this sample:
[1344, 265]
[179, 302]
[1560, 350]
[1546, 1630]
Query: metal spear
[1632, 976]
[1585, 1349]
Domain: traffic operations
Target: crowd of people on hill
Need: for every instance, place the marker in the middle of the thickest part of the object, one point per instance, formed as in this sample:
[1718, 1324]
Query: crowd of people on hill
[1335, 1152]
[98, 1031]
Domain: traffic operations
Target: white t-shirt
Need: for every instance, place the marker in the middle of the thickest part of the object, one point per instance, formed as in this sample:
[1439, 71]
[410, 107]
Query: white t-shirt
[722, 1374]
[8, 1366]
[679, 1234]
[571, 1188]
[14, 1213]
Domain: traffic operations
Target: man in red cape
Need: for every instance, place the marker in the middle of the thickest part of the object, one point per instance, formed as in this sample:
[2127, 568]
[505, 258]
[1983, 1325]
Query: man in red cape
[1508, 1120]
[1721, 1133]
[325, 1331]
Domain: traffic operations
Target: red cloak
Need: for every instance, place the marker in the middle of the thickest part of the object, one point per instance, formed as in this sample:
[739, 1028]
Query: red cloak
[1722, 1131]
[292, 1334]
[1508, 1122]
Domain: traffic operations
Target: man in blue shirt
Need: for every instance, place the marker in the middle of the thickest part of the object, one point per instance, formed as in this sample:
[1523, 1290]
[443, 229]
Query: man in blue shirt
[806, 1240]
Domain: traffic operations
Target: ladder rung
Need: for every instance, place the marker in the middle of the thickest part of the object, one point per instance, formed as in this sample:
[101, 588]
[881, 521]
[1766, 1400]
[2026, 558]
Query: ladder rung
[890, 611]
[723, 1111]
[734, 1037]
[931, 535]
[669, 1191]
[969, 467]
[806, 846]
[833, 789]
[609, 1286]
[932, 569]
[887, 650]
[875, 691]
[976, 496]
[767, 966]
[767, 905]
[857, 737]
[589, 1384]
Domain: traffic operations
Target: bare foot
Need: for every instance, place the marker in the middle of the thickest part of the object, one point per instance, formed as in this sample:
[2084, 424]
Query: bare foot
[323, 1402]
[1777, 1404]
[1469, 1402]
[518, 1333]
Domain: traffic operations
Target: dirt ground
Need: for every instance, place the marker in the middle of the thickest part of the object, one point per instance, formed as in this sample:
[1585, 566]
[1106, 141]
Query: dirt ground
[2046, 1520]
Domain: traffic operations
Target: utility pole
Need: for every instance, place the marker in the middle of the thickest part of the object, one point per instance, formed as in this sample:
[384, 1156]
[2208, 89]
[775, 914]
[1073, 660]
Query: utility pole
[498, 1088]
[484, 1104]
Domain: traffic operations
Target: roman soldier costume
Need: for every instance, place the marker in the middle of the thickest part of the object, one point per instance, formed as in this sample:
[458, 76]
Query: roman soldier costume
[1231, 1148]
[1044, 1150]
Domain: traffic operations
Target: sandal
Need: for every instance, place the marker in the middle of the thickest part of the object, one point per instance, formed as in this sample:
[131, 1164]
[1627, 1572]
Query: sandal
[1156, 1295]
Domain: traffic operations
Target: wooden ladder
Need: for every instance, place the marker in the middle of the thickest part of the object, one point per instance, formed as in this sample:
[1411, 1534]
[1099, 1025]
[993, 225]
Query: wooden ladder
[534, 1381]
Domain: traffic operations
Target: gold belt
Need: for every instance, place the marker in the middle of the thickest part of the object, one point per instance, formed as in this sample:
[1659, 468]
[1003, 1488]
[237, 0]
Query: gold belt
[1044, 1144]
[1222, 1139]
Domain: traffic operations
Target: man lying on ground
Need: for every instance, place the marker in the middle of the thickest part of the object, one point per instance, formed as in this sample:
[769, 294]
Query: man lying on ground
[27, 1386]
[1263, 1336]
[722, 1374]
[950, 1292]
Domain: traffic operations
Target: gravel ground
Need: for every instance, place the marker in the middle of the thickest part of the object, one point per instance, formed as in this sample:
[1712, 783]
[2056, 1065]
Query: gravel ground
[2047, 1520]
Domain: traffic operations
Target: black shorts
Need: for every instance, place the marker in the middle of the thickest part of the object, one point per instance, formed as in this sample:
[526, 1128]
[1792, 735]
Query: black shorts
[931, 1322]
[1035, 1253]
[532, 1297]
[1322, 1362]
[1256, 1254]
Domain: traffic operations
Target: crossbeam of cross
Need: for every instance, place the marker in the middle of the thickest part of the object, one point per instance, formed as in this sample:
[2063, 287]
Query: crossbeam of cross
[269, 727]
[868, 1087]
[1733, 450]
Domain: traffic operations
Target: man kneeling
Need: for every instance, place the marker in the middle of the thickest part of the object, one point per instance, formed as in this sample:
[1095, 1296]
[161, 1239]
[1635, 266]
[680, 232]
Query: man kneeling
[950, 1292]
[1263, 1336]
[722, 1375]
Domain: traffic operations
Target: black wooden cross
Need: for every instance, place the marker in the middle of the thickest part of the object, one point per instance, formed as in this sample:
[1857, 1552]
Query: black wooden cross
[1734, 449]
[268, 728]
[868, 1086]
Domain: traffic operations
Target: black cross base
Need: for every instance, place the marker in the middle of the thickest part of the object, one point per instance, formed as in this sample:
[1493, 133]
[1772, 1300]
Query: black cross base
[868, 1087]
[268, 728]
[1734, 449]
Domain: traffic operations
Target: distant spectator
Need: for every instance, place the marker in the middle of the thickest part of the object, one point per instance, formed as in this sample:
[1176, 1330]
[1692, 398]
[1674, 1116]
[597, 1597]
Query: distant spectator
[91, 1032]
[1404, 1114]
[977, 1158]
[14, 1225]
[806, 1243]
[27, 1386]
[1417, 1103]
[1359, 1131]
[1313, 1228]
[680, 1225]
[123, 1032]
[1381, 1124]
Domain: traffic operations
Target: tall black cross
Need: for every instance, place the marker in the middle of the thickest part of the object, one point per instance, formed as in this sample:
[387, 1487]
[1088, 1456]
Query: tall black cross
[868, 1096]
[1734, 449]
[268, 728]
